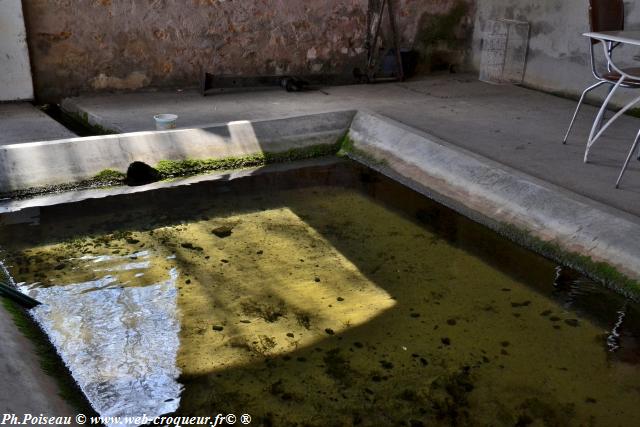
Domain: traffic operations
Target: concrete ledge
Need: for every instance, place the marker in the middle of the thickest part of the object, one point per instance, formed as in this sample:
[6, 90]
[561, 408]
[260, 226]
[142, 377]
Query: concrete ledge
[23, 211]
[495, 194]
[71, 160]
[21, 122]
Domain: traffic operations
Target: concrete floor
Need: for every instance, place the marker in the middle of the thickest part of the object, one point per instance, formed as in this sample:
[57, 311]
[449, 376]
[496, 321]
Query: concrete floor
[26, 388]
[515, 126]
[22, 122]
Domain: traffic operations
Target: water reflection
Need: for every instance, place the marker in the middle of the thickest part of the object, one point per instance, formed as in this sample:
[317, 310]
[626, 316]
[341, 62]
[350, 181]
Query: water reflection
[613, 312]
[120, 343]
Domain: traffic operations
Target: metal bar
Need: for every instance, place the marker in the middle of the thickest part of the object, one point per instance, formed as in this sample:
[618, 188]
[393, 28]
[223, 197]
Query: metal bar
[17, 296]
[373, 52]
[396, 39]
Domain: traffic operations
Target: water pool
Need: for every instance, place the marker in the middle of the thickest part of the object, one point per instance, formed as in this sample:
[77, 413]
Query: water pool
[317, 295]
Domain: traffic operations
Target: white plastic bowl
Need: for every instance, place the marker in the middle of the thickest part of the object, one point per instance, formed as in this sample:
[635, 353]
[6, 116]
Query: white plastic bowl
[165, 121]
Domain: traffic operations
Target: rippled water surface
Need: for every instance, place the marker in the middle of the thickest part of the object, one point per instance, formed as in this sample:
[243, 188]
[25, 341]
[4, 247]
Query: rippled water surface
[321, 306]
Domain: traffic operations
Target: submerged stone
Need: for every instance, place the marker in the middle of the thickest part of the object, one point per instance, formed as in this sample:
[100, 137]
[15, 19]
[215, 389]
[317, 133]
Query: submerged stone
[386, 364]
[572, 322]
[189, 245]
[520, 304]
[223, 231]
[140, 173]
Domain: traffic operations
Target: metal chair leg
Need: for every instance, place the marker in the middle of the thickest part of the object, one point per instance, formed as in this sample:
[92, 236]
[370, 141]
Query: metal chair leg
[575, 114]
[596, 129]
[606, 126]
[626, 162]
[604, 115]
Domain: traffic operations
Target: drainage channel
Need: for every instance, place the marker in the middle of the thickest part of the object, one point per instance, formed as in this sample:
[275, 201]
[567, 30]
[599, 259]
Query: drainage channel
[73, 121]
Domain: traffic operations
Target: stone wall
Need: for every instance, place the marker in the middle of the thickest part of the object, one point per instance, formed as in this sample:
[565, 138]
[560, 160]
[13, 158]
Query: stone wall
[90, 45]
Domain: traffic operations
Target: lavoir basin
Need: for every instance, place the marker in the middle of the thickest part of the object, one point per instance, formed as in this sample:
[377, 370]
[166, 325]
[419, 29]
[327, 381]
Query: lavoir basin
[319, 293]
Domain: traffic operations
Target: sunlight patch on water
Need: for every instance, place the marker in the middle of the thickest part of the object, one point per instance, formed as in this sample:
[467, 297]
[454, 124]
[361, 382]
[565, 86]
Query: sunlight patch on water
[120, 343]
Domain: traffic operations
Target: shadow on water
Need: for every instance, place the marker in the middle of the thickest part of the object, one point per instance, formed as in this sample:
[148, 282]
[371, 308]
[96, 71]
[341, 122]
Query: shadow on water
[462, 327]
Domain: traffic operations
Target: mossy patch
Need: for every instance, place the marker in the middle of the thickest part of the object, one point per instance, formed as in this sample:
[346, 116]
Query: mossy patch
[601, 271]
[109, 176]
[348, 149]
[104, 178]
[179, 168]
[75, 120]
[346, 146]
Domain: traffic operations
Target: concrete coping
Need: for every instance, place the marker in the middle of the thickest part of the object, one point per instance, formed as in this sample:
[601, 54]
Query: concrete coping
[71, 160]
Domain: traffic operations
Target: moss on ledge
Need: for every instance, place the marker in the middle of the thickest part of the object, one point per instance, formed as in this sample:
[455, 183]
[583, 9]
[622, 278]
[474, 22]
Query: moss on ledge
[600, 271]
[181, 168]
[348, 149]
[82, 120]
[109, 177]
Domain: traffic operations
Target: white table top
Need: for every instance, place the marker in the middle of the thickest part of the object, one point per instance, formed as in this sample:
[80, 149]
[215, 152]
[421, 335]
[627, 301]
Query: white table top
[627, 37]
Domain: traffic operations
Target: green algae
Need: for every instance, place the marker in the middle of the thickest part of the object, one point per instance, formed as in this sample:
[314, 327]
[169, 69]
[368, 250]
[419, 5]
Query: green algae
[109, 177]
[104, 178]
[601, 271]
[81, 119]
[188, 167]
[388, 290]
[348, 149]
